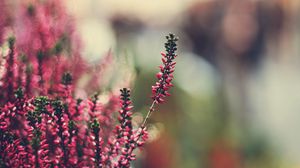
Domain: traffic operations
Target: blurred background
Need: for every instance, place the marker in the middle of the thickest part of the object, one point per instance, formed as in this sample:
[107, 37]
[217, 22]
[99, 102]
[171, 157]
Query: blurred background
[236, 100]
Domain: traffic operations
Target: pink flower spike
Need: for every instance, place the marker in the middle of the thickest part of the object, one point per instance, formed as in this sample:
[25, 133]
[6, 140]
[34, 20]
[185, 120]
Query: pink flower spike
[165, 75]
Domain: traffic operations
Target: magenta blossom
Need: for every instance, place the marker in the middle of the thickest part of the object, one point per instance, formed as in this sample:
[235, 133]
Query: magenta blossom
[44, 122]
[165, 76]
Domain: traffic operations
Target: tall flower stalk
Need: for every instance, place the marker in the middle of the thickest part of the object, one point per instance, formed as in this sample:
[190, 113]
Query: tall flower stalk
[165, 76]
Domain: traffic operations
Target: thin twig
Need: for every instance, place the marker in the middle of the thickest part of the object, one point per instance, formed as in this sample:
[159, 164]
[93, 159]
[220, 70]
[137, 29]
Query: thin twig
[151, 109]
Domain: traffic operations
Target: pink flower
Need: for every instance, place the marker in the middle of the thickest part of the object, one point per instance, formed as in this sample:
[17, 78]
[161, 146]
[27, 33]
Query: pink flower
[165, 76]
[43, 123]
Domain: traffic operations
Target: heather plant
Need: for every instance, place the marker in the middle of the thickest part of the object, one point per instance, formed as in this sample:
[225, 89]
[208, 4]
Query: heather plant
[43, 121]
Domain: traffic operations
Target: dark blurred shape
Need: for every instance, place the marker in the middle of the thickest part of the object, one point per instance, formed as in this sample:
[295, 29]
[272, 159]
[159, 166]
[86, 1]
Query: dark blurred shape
[124, 25]
[234, 29]
[234, 36]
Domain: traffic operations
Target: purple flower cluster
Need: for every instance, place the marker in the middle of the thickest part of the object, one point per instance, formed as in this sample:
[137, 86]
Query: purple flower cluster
[44, 122]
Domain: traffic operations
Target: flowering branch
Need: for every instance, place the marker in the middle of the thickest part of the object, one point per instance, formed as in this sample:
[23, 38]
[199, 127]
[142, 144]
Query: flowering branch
[165, 76]
[43, 121]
